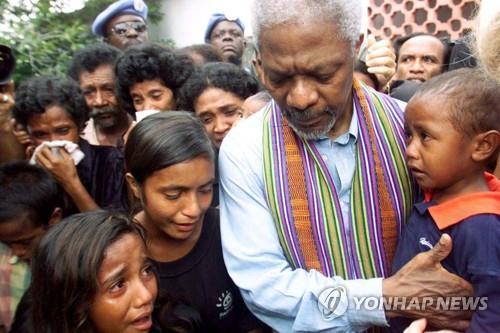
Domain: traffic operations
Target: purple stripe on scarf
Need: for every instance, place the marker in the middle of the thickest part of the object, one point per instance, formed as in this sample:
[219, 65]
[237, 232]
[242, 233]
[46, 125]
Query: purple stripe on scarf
[370, 183]
[317, 222]
[395, 194]
[343, 232]
[282, 179]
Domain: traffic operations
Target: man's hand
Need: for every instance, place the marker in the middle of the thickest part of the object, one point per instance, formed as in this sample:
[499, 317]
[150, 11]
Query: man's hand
[21, 134]
[424, 276]
[380, 60]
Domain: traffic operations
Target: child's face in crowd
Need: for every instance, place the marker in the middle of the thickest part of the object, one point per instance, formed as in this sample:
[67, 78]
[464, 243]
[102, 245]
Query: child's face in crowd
[218, 110]
[22, 235]
[176, 198]
[54, 124]
[152, 95]
[127, 289]
[438, 155]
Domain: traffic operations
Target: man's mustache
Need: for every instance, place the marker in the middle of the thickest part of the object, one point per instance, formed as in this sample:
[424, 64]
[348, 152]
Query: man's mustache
[96, 112]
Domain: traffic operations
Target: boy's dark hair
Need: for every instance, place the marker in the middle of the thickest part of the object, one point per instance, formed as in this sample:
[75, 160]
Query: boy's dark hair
[222, 75]
[473, 98]
[37, 94]
[91, 57]
[147, 62]
[26, 188]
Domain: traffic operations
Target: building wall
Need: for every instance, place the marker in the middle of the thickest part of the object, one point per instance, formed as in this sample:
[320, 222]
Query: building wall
[185, 20]
[443, 18]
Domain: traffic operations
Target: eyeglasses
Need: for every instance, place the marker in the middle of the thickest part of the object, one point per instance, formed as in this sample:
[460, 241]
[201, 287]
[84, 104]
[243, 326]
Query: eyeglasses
[121, 28]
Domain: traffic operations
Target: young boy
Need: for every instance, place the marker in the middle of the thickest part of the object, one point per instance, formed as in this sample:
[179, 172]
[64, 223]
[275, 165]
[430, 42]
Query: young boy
[453, 131]
[30, 202]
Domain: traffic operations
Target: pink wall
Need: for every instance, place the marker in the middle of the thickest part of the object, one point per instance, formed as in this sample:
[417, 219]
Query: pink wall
[394, 18]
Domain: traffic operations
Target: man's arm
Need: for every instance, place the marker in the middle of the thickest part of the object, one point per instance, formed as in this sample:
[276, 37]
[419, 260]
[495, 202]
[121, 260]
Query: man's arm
[424, 276]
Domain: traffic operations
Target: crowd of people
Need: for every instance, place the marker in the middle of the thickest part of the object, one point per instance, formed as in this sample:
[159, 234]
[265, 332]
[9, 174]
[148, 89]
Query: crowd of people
[155, 189]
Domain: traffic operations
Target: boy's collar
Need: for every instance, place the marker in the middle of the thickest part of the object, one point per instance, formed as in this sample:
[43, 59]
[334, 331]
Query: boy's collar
[456, 210]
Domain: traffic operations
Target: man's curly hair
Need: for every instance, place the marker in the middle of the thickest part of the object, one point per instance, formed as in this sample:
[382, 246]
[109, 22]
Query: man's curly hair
[37, 94]
[222, 75]
[91, 57]
[147, 62]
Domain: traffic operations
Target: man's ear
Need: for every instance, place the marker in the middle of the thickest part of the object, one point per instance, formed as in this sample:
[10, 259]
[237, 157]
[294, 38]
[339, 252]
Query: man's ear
[55, 217]
[357, 47]
[259, 70]
[486, 144]
[133, 185]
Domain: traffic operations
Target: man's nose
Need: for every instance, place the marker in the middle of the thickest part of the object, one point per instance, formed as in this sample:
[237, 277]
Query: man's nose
[416, 66]
[131, 33]
[302, 95]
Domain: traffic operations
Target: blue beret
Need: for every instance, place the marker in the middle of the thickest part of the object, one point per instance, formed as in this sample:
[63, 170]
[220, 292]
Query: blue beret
[121, 7]
[216, 19]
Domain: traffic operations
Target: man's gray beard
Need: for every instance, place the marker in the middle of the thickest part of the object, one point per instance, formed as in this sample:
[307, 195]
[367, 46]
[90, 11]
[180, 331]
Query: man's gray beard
[95, 112]
[314, 134]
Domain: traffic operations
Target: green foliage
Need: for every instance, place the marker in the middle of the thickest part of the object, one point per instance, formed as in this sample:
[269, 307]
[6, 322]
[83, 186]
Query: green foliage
[44, 38]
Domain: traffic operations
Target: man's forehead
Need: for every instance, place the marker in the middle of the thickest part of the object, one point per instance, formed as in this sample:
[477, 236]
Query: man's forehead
[102, 73]
[227, 25]
[422, 44]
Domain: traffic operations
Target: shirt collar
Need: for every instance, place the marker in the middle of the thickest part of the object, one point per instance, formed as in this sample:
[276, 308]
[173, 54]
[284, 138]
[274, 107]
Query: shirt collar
[458, 209]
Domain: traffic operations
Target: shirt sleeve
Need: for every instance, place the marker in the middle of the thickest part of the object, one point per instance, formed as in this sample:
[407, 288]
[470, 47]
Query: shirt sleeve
[478, 256]
[486, 318]
[284, 298]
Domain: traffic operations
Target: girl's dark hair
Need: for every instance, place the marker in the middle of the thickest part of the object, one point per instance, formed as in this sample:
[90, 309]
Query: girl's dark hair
[222, 75]
[147, 62]
[37, 94]
[165, 139]
[65, 269]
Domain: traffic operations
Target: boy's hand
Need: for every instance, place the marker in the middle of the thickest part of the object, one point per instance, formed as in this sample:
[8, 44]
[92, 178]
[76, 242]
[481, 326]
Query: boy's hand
[424, 276]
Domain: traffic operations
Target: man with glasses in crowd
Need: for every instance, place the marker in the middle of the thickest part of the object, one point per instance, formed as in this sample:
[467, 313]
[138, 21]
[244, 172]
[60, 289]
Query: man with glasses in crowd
[123, 23]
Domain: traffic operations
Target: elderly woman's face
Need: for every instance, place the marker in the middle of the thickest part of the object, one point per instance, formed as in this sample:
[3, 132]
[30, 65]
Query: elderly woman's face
[218, 110]
[152, 95]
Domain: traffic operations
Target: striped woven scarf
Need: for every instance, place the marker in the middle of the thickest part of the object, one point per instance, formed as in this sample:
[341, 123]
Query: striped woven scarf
[305, 204]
